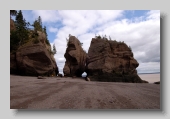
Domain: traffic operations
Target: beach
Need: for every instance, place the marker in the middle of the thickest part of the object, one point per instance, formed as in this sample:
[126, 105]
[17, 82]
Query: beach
[151, 78]
[76, 93]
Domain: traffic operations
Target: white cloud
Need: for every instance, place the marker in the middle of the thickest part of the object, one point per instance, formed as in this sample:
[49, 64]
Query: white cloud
[46, 15]
[153, 14]
[149, 67]
[141, 33]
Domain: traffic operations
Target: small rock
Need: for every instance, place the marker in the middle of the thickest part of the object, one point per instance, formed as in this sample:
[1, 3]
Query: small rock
[87, 79]
[157, 82]
[40, 77]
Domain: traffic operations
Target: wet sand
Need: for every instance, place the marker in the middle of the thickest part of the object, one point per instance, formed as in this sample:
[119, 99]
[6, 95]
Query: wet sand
[151, 78]
[67, 93]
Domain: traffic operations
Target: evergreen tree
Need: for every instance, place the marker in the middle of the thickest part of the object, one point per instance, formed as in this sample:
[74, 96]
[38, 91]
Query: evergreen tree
[20, 35]
[69, 35]
[44, 29]
[54, 49]
[38, 24]
[14, 41]
[13, 12]
[21, 28]
[40, 21]
[47, 41]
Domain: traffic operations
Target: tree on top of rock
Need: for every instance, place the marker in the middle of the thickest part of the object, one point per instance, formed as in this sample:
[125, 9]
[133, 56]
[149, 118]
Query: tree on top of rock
[20, 35]
[38, 24]
[69, 35]
[40, 21]
[21, 27]
[13, 12]
[45, 31]
[54, 49]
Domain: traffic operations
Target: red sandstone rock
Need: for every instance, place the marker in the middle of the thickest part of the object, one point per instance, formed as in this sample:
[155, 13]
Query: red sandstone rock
[75, 58]
[34, 59]
[111, 61]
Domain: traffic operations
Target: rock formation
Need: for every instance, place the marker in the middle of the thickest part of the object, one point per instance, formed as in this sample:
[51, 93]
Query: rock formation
[75, 58]
[30, 50]
[34, 58]
[12, 26]
[112, 61]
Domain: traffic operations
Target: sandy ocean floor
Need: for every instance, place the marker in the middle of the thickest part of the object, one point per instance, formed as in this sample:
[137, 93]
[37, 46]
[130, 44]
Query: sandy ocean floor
[67, 93]
[151, 78]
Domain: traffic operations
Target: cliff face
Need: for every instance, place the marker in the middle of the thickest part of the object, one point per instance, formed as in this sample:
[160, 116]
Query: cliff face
[111, 61]
[75, 58]
[33, 58]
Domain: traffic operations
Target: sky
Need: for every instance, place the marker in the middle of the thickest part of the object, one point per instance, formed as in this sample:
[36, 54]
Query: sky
[139, 29]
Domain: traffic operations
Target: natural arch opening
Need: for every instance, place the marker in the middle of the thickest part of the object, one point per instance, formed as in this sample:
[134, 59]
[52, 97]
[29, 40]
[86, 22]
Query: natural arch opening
[84, 74]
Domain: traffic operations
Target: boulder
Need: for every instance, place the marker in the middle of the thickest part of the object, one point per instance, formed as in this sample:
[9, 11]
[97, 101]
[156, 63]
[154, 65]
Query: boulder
[75, 58]
[112, 61]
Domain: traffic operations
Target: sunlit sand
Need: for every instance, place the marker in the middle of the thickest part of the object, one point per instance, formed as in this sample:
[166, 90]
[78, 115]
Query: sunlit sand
[151, 78]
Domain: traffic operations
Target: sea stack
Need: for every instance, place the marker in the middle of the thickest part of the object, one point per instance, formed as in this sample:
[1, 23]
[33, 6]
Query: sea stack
[34, 58]
[111, 61]
[75, 58]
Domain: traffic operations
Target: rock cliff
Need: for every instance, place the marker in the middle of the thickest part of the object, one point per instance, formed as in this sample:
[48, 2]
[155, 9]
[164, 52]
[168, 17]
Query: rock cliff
[34, 58]
[75, 58]
[112, 61]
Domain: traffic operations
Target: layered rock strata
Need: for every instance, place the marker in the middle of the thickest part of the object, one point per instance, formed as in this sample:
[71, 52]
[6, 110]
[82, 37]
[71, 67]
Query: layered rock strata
[111, 61]
[34, 59]
[75, 58]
